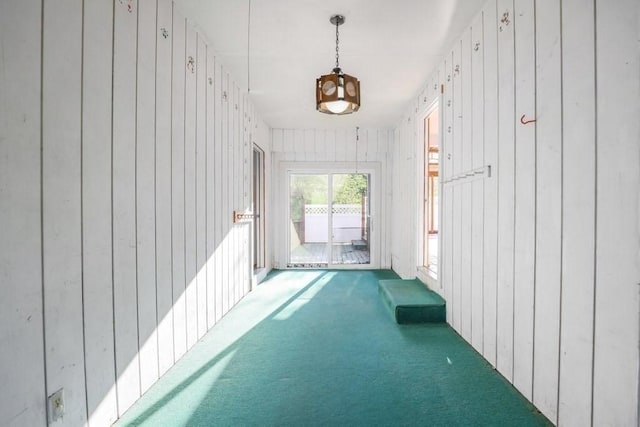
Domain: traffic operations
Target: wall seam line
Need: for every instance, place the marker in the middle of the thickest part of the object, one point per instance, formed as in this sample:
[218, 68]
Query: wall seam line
[42, 273]
[497, 181]
[82, 271]
[113, 283]
[184, 188]
[135, 186]
[535, 190]
[559, 364]
[155, 182]
[595, 209]
[515, 197]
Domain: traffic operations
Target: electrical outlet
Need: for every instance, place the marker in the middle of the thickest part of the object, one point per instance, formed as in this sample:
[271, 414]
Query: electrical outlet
[56, 406]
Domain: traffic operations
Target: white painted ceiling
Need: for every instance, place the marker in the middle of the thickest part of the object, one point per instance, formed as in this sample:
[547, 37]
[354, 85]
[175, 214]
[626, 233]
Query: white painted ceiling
[391, 46]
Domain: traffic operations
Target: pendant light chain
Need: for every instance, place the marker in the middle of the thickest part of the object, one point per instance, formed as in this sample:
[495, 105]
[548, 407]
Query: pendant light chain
[337, 42]
[249, 48]
[357, 140]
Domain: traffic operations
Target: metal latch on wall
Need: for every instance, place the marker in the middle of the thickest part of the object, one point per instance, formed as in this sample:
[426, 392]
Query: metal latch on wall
[241, 216]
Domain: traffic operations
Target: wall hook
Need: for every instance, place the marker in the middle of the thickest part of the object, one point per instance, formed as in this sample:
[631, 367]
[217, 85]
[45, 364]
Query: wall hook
[476, 47]
[164, 32]
[457, 69]
[129, 5]
[524, 122]
[191, 64]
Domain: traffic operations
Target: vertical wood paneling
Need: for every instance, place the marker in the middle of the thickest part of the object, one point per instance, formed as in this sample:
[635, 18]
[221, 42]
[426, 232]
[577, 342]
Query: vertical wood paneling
[232, 184]
[447, 221]
[277, 140]
[557, 232]
[457, 189]
[490, 238]
[178, 184]
[145, 194]
[125, 297]
[477, 203]
[341, 148]
[548, 209]
[465, 189]
[287, 141]
[351, 144]
[163, 186]
[393, 210]
[96, 212]
[237, 191]
[505, 172]
[201, 180]
[211, 190]
[578, 211]
[525, 198]
[330, 141]
[233, 187]
[61, 203]
[320, 146]
[309, 136]
[370, 149]
[298, 145]
[239, 180]
[226, 211]
[21, 298]
[128, 202]
[617, 305]
[247, 163]
[381, 223]
[190, 97]
[219, 189]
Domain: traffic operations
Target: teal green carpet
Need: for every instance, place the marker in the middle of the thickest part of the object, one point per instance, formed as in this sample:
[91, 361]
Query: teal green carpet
[318, 348]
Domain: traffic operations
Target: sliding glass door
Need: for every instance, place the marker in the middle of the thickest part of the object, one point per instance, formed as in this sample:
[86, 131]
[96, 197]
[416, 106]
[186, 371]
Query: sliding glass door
[329, 220]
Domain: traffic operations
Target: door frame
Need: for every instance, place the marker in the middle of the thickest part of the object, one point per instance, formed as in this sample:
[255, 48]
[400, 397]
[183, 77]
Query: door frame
[258, 254]
[423, 273]
[371, 168]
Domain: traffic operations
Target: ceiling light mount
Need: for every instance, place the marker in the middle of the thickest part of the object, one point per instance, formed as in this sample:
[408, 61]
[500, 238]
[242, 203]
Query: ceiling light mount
[337, 93]
[337, 20]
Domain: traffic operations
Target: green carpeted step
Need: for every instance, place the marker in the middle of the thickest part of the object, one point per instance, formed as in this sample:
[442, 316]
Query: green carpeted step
[411, 302]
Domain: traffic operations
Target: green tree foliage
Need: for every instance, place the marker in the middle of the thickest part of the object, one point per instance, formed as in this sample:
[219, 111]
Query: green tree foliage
[352, 189]
[307, 190]
[312, 190]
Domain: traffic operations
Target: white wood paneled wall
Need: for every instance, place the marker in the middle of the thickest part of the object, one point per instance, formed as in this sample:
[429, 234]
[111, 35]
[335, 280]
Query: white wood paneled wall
[540, 261]
[338, 147]
[21, 290]
[124, 151]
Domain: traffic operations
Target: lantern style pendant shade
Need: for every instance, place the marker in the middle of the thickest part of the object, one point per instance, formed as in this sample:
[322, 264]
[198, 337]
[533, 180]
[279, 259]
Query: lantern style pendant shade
[337, 93]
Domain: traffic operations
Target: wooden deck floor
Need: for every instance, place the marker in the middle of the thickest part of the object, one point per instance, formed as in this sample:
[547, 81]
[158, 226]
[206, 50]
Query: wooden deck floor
[317, 255]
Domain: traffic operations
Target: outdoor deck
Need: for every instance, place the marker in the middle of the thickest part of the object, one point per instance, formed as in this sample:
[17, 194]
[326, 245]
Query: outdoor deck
[317, 254]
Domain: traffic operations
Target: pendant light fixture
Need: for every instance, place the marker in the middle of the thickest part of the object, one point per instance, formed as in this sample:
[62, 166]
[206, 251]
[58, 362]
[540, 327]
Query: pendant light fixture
[337, 93]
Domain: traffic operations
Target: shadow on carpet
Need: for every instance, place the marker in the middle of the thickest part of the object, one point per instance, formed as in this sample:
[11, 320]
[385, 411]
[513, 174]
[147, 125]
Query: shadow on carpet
[317, 348]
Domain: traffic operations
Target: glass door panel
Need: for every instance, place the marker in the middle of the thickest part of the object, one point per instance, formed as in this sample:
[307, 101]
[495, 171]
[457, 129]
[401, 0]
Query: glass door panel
[350, 219]
[308, 220]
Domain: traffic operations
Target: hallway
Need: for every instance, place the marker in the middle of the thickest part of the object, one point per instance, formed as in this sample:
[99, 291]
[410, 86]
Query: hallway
[318, 348]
